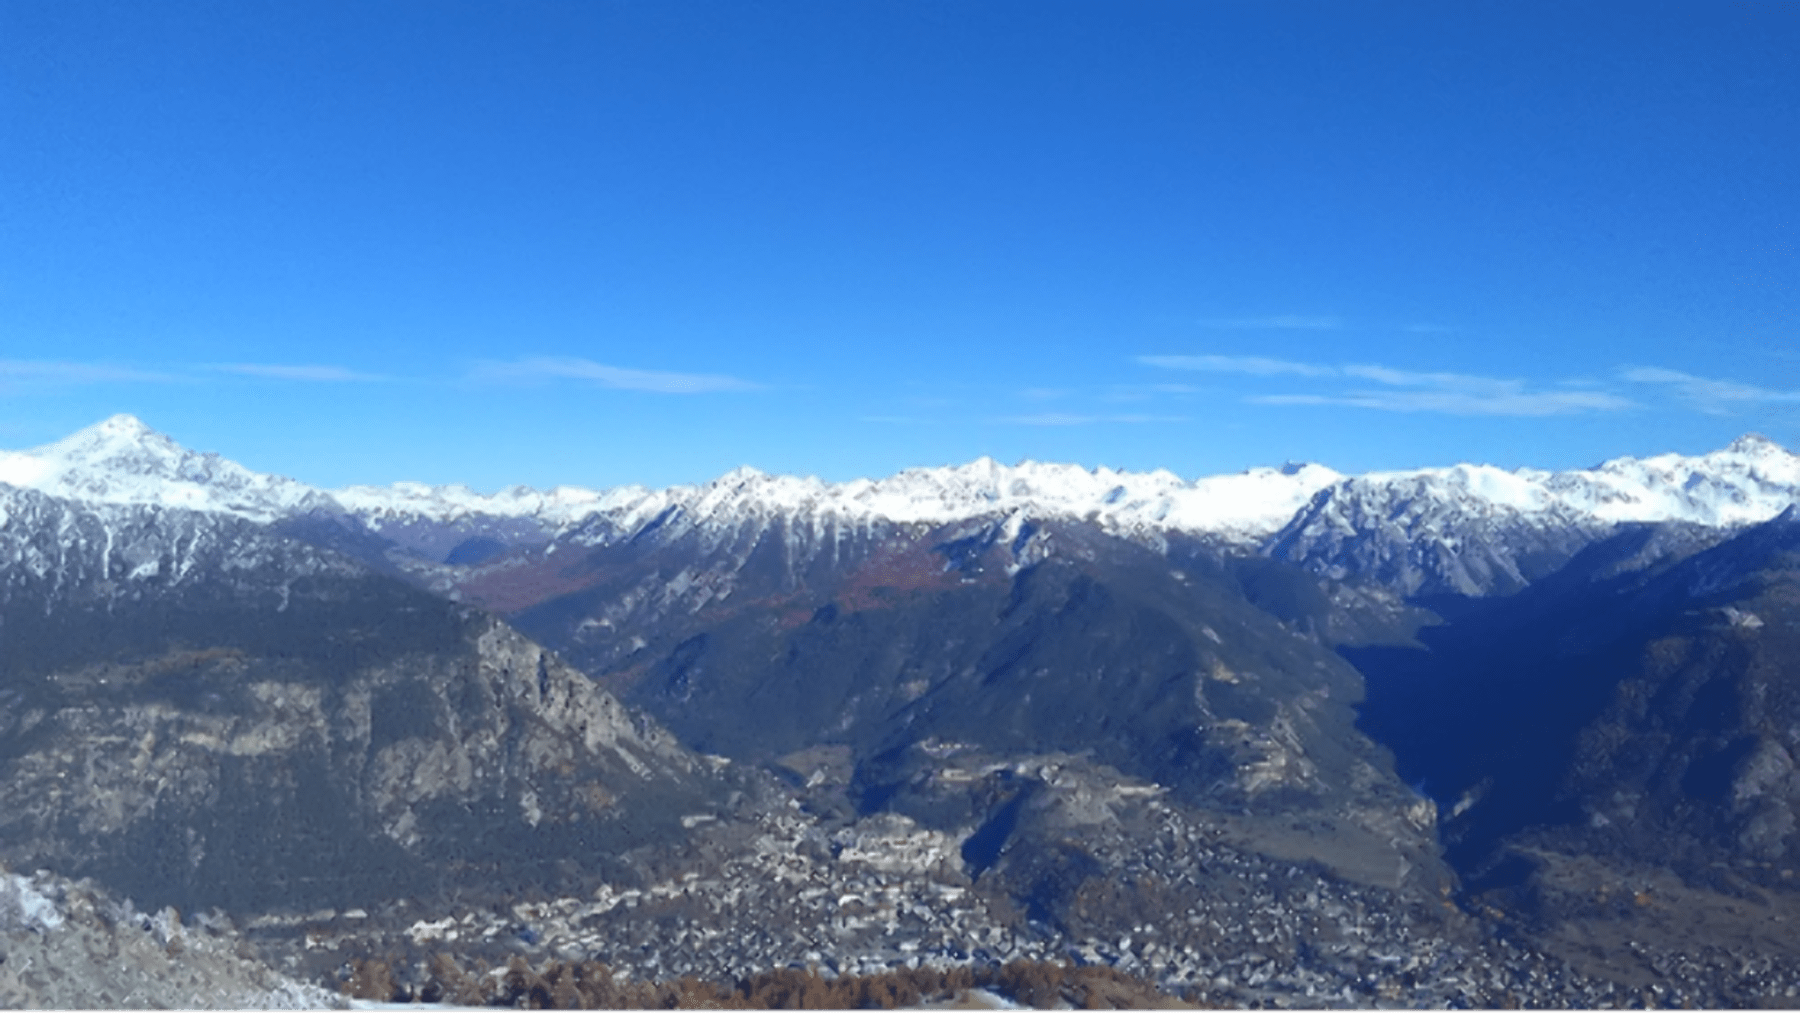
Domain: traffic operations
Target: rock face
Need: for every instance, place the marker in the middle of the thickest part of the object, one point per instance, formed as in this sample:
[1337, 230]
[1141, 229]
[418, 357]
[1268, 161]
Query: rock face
[196, 711]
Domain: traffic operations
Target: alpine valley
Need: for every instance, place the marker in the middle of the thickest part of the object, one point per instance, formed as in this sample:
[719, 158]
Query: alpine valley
[1445, 737]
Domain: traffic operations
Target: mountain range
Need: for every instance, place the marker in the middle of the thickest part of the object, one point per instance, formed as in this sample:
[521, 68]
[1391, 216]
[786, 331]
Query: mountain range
[224, 688]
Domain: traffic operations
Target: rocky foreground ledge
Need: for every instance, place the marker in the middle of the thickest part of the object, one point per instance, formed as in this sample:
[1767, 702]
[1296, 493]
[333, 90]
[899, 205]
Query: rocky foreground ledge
[68, 944]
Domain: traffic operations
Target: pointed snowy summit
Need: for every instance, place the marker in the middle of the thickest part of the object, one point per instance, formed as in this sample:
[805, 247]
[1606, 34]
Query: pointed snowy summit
[1755, 444]
[122, 461]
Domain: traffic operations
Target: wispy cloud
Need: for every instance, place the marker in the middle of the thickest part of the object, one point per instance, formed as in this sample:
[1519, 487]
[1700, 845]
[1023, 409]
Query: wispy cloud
[1284, 321]
[1127, 394]
[1514, 401]
[308, 373]
[1075, 419]
[24, 372]
[1256, 365]
[1403, 390]
[544, 368]
[1716, 397]
[1447, 381]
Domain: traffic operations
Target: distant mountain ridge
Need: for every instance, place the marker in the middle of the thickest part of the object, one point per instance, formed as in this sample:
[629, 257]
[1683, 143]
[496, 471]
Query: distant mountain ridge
[1290, 511]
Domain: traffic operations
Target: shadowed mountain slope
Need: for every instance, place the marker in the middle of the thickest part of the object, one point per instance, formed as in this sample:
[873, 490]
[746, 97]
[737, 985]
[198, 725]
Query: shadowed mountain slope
[1648, 712]
[1010, 636]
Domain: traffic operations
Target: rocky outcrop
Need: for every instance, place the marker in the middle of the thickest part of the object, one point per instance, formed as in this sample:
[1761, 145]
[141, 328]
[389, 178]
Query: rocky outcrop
[72, 945]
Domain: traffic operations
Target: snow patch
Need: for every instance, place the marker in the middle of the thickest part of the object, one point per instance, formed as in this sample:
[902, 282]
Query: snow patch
[23, 907]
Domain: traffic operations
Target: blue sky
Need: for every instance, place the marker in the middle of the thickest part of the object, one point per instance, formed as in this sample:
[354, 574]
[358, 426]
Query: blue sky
[608, 242]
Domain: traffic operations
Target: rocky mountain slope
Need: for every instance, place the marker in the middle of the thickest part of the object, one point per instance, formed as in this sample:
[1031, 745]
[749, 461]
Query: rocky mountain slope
[197, 711]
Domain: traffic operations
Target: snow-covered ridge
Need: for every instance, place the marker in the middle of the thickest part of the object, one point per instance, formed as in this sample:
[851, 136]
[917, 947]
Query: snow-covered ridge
[1247, 504]
[408, 500]
[1751, 480]
[123, 461]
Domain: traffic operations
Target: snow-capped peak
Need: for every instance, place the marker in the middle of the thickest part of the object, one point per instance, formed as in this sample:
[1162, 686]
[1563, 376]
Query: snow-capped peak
[120, 460]
[1755, 445]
